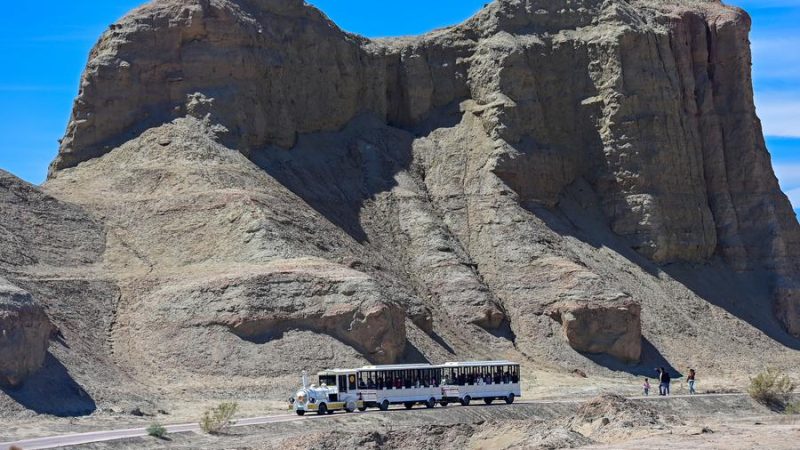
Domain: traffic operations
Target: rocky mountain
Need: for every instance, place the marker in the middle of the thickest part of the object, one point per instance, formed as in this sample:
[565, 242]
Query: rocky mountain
[244, 190]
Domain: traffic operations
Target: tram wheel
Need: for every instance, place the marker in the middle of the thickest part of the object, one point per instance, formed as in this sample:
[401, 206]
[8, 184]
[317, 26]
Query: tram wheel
[443, 403]
[430, 403]
[323, 409]
[408, 405]
[384, 405]
[488, 401]
[510, 398]
[465, 400]
[362, 408]
[300, 412]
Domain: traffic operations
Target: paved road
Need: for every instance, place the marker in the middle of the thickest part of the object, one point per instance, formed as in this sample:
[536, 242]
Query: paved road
[100, 436]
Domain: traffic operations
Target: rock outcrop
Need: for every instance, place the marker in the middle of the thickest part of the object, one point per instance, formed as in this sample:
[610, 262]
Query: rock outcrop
[24, 335]
[594, 328]
[544, 181]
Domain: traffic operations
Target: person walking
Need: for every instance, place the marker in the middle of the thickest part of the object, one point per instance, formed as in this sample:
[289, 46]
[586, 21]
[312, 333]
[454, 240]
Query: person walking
[646, 386]
[660, 386]
[690, 380]
[663, 379]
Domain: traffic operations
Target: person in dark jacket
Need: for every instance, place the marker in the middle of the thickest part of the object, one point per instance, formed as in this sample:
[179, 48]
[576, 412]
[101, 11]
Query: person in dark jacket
[663, 381]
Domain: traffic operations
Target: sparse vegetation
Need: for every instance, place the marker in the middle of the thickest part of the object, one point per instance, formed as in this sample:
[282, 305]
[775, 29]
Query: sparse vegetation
[771, 388]
[157, 430]
[792, 408]
[219, 419]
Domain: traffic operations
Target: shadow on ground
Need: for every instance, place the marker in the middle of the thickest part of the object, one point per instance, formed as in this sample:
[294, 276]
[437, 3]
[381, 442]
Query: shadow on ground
[651, 360]
[52, 390]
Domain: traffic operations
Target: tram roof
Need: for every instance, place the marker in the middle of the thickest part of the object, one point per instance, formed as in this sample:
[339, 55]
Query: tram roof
[423, 366]
[479, 363]
[398, 367]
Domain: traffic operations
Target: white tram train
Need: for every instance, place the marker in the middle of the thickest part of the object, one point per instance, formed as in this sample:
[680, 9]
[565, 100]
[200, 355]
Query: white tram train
[408, 384]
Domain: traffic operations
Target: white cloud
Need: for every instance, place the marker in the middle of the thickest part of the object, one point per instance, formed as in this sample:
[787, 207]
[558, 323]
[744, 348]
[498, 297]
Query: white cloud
[794, 197]
[779, 113]
[763, 4]
[788, 174]
[775, 56]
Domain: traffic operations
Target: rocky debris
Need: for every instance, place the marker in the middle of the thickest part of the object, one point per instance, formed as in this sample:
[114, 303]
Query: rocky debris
[496, 435]
[609, 417]
[24, 335]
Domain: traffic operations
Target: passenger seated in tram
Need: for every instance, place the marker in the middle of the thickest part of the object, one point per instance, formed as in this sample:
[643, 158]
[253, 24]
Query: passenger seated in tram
[479, 382]
[497, 378]
[370, 383]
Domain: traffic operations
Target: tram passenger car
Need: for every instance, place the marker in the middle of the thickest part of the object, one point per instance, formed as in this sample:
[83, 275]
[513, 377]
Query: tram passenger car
[480, 380]
[409, 385]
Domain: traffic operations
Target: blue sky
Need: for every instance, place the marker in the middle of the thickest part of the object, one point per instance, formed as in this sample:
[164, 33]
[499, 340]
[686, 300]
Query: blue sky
[44, 54]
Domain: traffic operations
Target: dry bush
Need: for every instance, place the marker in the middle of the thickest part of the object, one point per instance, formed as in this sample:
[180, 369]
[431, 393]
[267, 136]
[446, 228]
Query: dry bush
[771, 388]
[217, 420]
[157, 430]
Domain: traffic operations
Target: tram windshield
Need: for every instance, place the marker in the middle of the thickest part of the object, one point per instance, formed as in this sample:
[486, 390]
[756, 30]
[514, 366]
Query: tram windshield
[328, 380]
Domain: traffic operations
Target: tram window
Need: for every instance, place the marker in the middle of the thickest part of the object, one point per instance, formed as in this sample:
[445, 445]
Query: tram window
[362, 380]
[328, 380]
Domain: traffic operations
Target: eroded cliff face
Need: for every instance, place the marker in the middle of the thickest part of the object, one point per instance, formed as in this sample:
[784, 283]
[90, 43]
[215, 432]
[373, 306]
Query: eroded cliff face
[528, 180]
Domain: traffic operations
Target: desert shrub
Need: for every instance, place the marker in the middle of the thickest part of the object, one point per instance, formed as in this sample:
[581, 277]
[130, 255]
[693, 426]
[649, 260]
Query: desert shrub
[218, 419]
[157, 430]
[771, 387]
[792, 408]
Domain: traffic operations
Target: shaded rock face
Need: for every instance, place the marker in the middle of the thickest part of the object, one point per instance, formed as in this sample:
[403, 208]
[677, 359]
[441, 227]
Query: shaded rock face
[24, 335]
[526, 183]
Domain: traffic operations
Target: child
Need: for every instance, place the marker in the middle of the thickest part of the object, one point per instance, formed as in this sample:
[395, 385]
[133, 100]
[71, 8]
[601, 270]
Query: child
[646, 386]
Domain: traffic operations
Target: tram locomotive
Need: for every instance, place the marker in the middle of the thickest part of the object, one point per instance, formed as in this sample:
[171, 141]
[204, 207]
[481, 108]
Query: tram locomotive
[408, 384]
